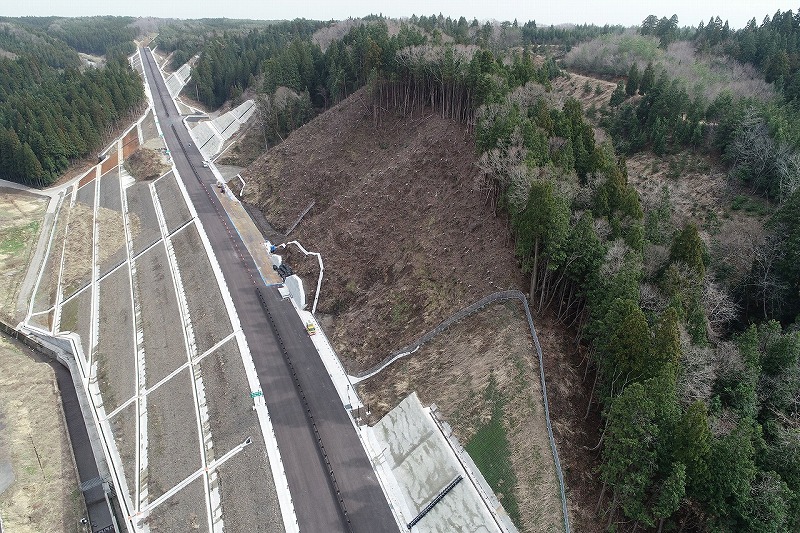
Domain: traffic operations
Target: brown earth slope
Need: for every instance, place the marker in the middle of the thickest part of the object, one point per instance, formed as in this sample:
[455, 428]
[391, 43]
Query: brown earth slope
[407, 239]
[405, 236]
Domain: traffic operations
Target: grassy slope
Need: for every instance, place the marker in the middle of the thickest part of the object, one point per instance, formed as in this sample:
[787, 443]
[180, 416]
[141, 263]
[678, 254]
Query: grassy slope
[44, 496]
[21, 217]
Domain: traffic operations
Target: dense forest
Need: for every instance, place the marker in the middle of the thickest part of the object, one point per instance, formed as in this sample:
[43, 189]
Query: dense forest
[698, 418]
[52, 111]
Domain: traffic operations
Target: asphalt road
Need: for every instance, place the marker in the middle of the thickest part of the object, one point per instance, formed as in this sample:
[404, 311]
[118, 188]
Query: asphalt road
[295, 399]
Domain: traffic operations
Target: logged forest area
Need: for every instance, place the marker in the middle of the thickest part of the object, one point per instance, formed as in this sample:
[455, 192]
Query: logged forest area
[641, 186]
[648, 211]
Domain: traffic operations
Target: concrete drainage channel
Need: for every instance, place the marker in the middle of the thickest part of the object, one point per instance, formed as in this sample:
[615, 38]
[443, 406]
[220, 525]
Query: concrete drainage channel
[99, 494]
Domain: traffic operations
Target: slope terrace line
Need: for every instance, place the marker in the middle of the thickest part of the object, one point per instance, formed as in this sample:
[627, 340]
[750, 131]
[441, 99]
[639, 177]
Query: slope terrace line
[204, 434]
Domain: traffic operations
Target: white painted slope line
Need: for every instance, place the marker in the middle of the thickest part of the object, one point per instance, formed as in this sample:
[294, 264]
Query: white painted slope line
[259, 404]
[198, 391]
[169, 376]
[141, 492]
[94, 314]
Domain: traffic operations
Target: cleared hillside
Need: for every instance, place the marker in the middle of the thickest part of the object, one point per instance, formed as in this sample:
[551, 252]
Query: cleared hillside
[406, 237]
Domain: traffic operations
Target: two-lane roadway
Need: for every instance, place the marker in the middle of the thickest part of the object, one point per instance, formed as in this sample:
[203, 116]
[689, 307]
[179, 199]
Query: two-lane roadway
[318, 507]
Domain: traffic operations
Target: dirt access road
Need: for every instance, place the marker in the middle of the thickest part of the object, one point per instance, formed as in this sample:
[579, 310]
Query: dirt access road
[315, 502]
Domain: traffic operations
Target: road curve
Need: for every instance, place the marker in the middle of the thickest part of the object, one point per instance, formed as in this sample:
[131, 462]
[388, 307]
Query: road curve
[297, 395]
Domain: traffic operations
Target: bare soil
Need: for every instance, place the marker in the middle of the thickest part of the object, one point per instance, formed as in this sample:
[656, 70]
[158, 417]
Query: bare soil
[143, 223]
[453, 372]
[149, 129]
[173, 448]
[116, 350]
[173, 205]
[110, 230]
[21, 219]
[207, 311]
[184, 511]
[164, 347]
[574, 85]
[123, 426]
[146, 164]
[78, 253]
[407, 239]
[44, 495]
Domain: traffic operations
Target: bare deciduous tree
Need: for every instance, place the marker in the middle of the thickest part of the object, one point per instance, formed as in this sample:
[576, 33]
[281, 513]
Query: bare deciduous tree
[615, 258]
[698, 370]
[651, 298]
[769, 288]
[719, 307]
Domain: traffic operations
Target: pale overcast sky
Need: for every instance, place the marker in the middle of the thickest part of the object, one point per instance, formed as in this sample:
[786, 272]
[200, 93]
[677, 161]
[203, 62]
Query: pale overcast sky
[627, 12]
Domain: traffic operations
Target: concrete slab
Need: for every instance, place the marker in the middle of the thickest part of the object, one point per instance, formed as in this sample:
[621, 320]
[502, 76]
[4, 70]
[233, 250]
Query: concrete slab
[251, 236]
[6, 475]
[417, 463]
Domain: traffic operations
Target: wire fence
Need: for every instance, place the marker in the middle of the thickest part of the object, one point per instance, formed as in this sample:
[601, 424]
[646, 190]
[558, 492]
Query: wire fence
[470, 310]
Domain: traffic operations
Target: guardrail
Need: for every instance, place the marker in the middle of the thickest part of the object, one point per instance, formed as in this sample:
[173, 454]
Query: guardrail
[457, 317]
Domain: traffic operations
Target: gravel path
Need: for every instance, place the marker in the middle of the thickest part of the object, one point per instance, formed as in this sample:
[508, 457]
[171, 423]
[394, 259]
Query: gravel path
[232, 420]
[142, 214]
[116, 367]
[176, 213]
[183, 511]
[173, 450]
[206, 306]
[164, 347]
[46, 293]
